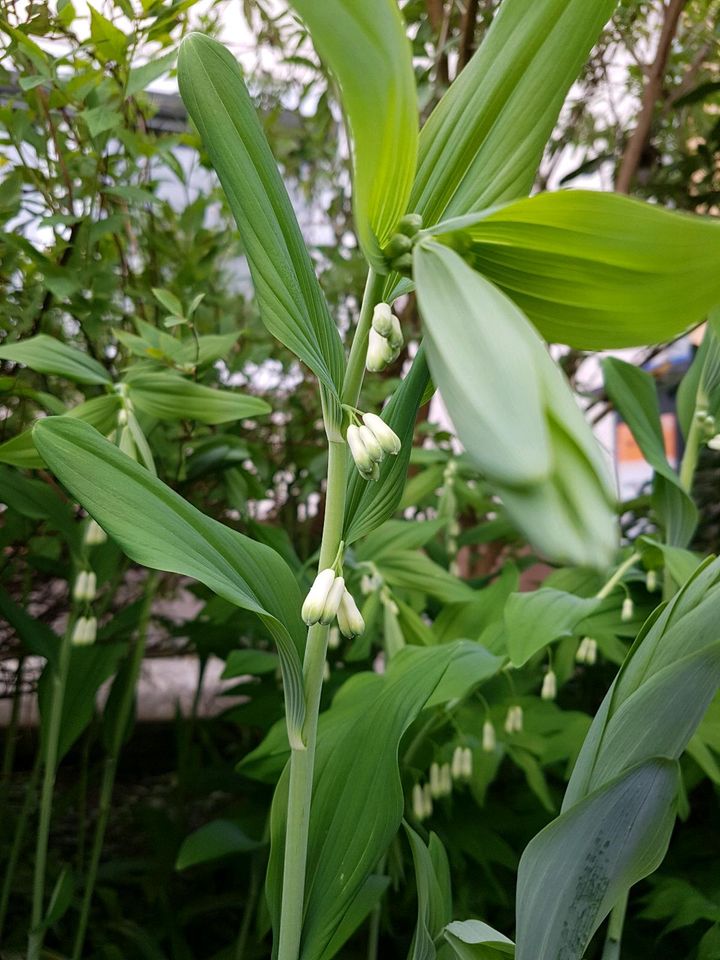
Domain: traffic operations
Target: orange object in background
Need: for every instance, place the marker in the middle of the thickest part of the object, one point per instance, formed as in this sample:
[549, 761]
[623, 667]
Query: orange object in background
[628, 452]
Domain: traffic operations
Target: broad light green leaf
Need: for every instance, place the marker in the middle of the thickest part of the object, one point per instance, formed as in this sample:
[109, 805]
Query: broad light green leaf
[369, 896]
[483, 142]
[475, 940]
[398, 535]
[100, 413]
[169, 397]
[292, 305]
[412, 570]
[157, 528]
[141, 77]
[357, 794]
[213, 841]
[370, 504]
[47, 355]
[634, 395]
[514, 412]
[535, 619]
[365, 46]
[575, 870]
[434, 893]
[249, 662]
[671, 673]
[597, 270]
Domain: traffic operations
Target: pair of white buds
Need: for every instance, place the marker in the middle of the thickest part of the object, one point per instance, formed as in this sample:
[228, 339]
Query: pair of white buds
[84, 632]
[440, 780]
[370, 443]
[422, 801]
[514, 720]
[462, 763]
[85, 586]
[385, 340]
[327, 599]
[587, 651]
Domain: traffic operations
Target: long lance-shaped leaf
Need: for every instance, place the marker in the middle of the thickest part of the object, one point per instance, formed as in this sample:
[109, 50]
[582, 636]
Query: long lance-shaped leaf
[596, 270]
[483, 142]
[48, 355]
[574, 871]
[365, 46]
[292, 305]
[157, 528]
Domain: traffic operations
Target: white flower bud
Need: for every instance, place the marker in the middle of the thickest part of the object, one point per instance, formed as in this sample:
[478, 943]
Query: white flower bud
[651, 581]
[514, 720]
[314, 604]
[350, 619]
[385, 436]
[435, 789]
[334, 637]
[467, 763]
[445, 780]
[94, 534]
[418, 802]
[379, 353]
[488, 737]
[332, 603]
[549, 686]
[714, 442]
[371, 444]
[80, 586]
[457, 763]
[122, 417]
[90, 586]
[427, 801]
[587, 651]
[360, 454]
[382, 320]
[628, 609]
[84, 631]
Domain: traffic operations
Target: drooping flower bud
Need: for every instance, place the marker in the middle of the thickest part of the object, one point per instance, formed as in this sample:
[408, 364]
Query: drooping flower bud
[651, 581]
[385, 436]
[427, 801]
[587, 651]
[549, 686]
[332, 603]
[363, 461]
[371, 444]
[94, 534]
[314, 604]
[418, 802]
[456, 766]
[445, 780]
[628, 610]
[349, 617]
[382, 320]
[514, 720]
[714, 442]
[85, 586]
[379, 353]
[489, 739]
[122, 417]
[334, 637]
[84, 631]
[467, 763]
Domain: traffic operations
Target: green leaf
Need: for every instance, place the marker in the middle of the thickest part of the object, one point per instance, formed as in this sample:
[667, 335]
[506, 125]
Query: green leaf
[434, 893]
[513, 411]
[475, 940]
[249, 662]
[109, 42]
[411, 570]
[141, 77]
[61, 897]
[368, 897]
[483, 142]
[366, 48]
[157, 528]
[100, 413]
[597, 270]
[292, 305]
[533, 620]
[47, 355]
[168, 300]
[89, 668]
[398, 535]
[370, 504]
[36, 637]
[213, 841]
[169, 397]
[575, 870]
[356, 763]
[634, 396]
[101, 119]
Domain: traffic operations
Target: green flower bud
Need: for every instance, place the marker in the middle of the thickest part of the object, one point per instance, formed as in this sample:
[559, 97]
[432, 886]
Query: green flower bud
[379, 353]
[349, 617]
[651, 581]
[382, 319]
[371, 444]
[385, 436]
[395, 337]
[418, 803]
[410, 224]
[399, 244]
[332, 603]
[312, 609]
[403, 263]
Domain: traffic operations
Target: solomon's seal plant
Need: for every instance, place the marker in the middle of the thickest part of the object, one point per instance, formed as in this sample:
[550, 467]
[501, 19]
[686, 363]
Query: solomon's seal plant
[442, 212]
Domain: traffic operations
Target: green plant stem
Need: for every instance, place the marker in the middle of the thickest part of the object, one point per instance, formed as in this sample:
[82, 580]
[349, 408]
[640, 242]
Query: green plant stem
[12, 728]
[111, 762]
[17, 843]
[615, 579]
[355, 370]
[613, 940]
[49, 746]
[689, 461]
[375, 917]
[302, 762]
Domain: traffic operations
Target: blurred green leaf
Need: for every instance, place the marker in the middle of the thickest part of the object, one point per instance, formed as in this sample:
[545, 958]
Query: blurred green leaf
[47, 355]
